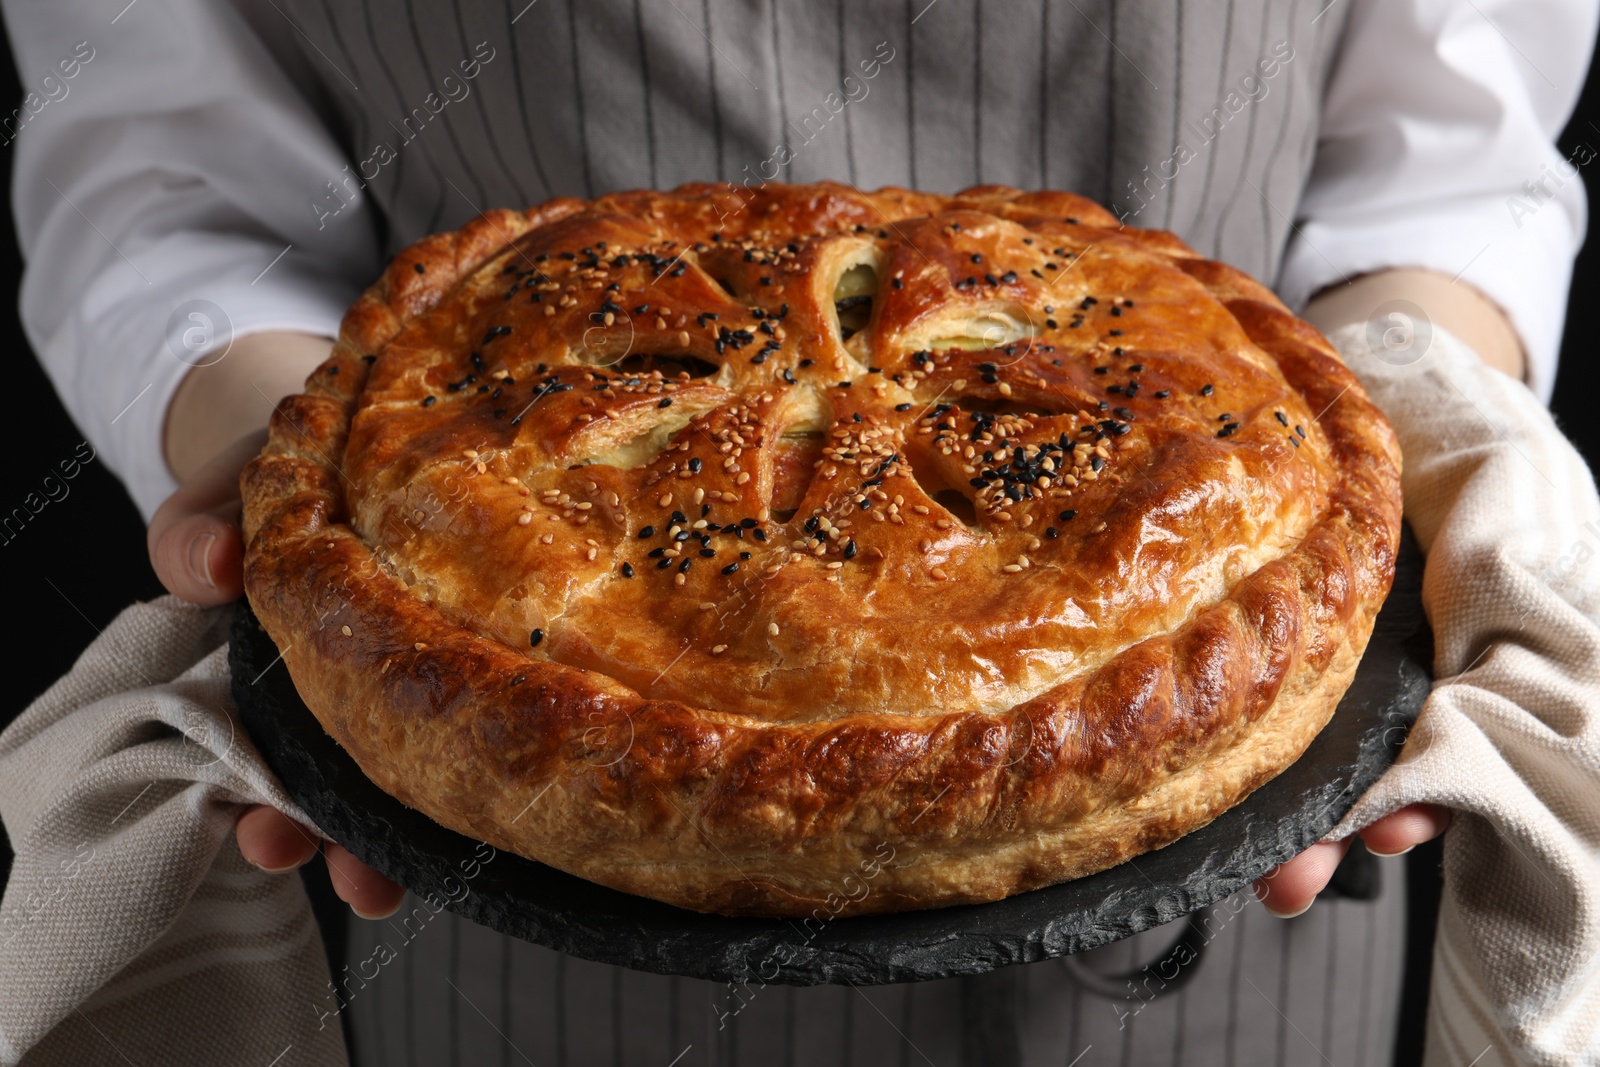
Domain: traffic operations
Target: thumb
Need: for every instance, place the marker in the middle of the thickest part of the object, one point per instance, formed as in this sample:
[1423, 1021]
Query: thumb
[194, 540]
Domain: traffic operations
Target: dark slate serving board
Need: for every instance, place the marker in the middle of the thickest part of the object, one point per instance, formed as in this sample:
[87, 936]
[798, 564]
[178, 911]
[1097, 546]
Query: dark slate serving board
[543, 905]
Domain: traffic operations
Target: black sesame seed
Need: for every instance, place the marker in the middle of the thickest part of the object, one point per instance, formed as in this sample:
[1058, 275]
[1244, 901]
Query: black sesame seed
[683, 568]
[1301, 430]
[627, 570]
[1227, 430]
[666, 402]
[902, 407]
[534, 638]
[695, 464]
[1068, 515]
[648, 531]
[850, 550]
[730, 568]
[429, 401]
[1283, 420]
[1051, 532]
[1162, 394]
[1207, 389]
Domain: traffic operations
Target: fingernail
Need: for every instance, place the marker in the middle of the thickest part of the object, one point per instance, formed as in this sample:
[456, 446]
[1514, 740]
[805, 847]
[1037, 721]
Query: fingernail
[1387, 855]
[200, 558]
[1289, 914]
[276, 870]
[374, 916]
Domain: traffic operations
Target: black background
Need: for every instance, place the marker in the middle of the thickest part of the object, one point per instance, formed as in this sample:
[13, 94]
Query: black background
[81, 559]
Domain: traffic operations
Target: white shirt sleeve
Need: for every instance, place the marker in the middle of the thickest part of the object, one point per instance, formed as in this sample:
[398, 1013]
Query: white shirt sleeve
[1437, 150]
[176, 163]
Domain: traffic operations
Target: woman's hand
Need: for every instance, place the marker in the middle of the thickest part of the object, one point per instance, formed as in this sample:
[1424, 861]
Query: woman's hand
[194, 539]
[197, 549]
[1292, 887]
[274, 842]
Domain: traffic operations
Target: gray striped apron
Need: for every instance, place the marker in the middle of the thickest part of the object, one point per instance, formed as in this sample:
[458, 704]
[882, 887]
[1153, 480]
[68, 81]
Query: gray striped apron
[1197, 116]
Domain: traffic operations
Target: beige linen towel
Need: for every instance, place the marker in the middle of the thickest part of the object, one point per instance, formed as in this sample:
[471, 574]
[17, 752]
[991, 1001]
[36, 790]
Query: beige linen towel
[130, 922]
[1506, 514]
[131, 930]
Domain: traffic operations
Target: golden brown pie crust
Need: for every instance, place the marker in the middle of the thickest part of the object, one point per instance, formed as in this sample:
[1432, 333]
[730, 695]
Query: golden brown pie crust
[601, 537]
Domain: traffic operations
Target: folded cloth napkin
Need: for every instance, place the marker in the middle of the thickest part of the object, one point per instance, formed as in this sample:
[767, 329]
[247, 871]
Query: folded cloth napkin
[131, 930]
[131, 923]
[1506, 514]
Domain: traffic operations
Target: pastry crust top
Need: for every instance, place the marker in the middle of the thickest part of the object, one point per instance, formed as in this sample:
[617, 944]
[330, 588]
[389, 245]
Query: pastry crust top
[706, 544]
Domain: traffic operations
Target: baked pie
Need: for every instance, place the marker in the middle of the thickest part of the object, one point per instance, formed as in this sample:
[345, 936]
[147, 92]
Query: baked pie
[742, 551]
